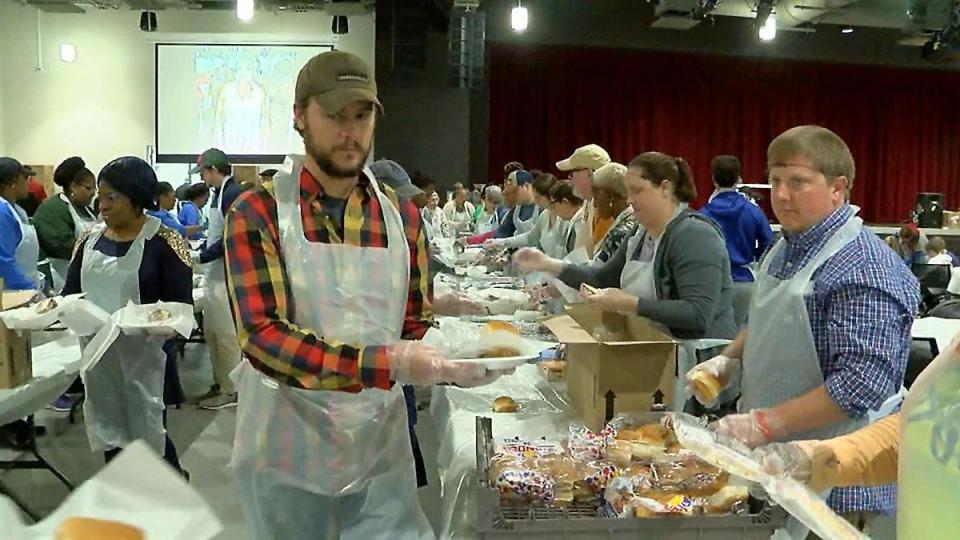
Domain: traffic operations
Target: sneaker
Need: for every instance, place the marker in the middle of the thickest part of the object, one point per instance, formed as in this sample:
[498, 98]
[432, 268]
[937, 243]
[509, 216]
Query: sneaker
[212, 393]
[222, 401]
[63, 404]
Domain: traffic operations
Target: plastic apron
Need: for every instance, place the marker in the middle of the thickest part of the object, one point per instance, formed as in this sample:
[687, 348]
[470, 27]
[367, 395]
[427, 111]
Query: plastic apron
[781, 347]
[522, 226]
[125, 388]
[59, 267]
[929, 487]
[28, 250]
[637, 277]
[216, 310]
[351, 451]
[553, 238]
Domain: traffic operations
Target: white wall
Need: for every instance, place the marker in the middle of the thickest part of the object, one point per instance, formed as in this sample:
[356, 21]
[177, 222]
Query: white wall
[102, 106]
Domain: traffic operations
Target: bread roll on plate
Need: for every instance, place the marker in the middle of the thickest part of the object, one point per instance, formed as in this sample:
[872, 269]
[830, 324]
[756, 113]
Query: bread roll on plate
[83, 528]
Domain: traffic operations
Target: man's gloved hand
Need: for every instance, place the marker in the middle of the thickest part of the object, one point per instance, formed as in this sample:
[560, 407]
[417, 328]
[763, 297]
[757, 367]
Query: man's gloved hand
[707, 380]
[753, 429]
[413, 362]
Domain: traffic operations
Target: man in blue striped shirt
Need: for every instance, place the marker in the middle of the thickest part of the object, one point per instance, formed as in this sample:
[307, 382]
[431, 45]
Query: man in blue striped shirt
[829, 331]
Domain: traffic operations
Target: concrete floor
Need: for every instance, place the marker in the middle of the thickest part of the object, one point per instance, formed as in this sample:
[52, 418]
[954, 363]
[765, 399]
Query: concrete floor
[204, 440]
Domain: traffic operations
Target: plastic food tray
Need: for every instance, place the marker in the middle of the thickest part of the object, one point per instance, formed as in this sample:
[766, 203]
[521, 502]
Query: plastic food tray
[578, 521]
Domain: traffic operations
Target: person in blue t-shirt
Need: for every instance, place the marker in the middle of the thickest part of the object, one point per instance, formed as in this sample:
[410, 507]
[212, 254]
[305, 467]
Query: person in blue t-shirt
[745, 228]
[194, 201]
[19, 247]
[165, 201]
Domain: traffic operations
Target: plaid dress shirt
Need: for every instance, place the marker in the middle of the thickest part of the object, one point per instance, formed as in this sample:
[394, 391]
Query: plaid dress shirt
[263, 304]
[861, 312]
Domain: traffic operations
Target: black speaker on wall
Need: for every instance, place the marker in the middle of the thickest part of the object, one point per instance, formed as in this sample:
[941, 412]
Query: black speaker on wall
[148, 21]
[340, 25]
[929, 210]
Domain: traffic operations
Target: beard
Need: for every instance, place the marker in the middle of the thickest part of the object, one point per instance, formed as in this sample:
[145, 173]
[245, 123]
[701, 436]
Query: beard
[325, 162]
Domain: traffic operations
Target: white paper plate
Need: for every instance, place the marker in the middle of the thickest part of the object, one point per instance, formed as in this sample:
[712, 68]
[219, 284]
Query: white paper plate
[497, 364]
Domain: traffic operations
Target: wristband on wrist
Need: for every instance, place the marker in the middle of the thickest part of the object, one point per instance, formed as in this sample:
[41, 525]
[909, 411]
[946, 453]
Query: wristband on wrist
[763, 425]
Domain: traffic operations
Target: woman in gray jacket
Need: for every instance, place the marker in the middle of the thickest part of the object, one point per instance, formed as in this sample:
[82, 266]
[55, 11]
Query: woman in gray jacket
[673, 270]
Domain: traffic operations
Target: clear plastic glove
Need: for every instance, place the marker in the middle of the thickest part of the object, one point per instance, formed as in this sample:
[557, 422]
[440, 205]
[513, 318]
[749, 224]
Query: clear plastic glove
[612, 299]
[707, 380]
[412, 362]
[753, 429]
[492, 244]
[810, 462]
[490, 377]
[532, 260]
[455, 304]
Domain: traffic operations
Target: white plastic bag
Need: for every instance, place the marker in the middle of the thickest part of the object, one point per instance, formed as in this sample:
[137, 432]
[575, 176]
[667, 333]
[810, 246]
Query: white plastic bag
[803, 504]
[501, 301]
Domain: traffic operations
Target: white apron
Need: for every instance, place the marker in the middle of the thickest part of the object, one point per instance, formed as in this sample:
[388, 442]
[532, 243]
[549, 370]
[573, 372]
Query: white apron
[59, 267]
[929, 486]
[780, 346]
[637, 276]
[553, 237]
[125, 388]
[352, 451]
[523, 226]
[487, 222]
[216, 303]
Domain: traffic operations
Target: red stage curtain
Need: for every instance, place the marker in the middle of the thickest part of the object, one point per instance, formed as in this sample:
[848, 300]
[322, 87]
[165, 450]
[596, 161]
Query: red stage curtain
[902, 125]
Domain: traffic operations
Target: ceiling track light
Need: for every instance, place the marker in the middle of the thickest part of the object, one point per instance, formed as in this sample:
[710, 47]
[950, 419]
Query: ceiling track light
[766, 20]
[245, 9]
[519, 18]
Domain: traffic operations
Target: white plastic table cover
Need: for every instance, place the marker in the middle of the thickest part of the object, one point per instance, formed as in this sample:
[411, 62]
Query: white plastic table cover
[942, 330]
[544, 412]
[55, 366]
[137, 488]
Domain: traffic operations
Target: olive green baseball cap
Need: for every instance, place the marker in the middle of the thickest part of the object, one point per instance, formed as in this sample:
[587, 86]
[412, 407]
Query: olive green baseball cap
[213, 157]
[336, 79]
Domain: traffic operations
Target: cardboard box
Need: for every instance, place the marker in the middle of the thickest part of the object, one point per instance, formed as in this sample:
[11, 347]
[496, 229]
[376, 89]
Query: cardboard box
[16, 360]
[633, 359]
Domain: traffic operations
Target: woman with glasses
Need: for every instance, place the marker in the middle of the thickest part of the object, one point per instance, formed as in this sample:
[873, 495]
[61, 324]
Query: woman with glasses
[548, 234]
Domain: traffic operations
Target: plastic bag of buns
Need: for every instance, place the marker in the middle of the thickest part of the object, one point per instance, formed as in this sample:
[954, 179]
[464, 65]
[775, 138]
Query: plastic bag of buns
[585, 444]
[527, 472]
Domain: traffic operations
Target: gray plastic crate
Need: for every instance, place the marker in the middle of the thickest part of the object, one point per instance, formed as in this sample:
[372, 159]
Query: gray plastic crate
[584, 522]
[580, 522]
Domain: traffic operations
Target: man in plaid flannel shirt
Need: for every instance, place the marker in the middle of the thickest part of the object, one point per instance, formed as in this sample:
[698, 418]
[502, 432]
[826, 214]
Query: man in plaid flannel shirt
[322, 455]
[859, 302]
